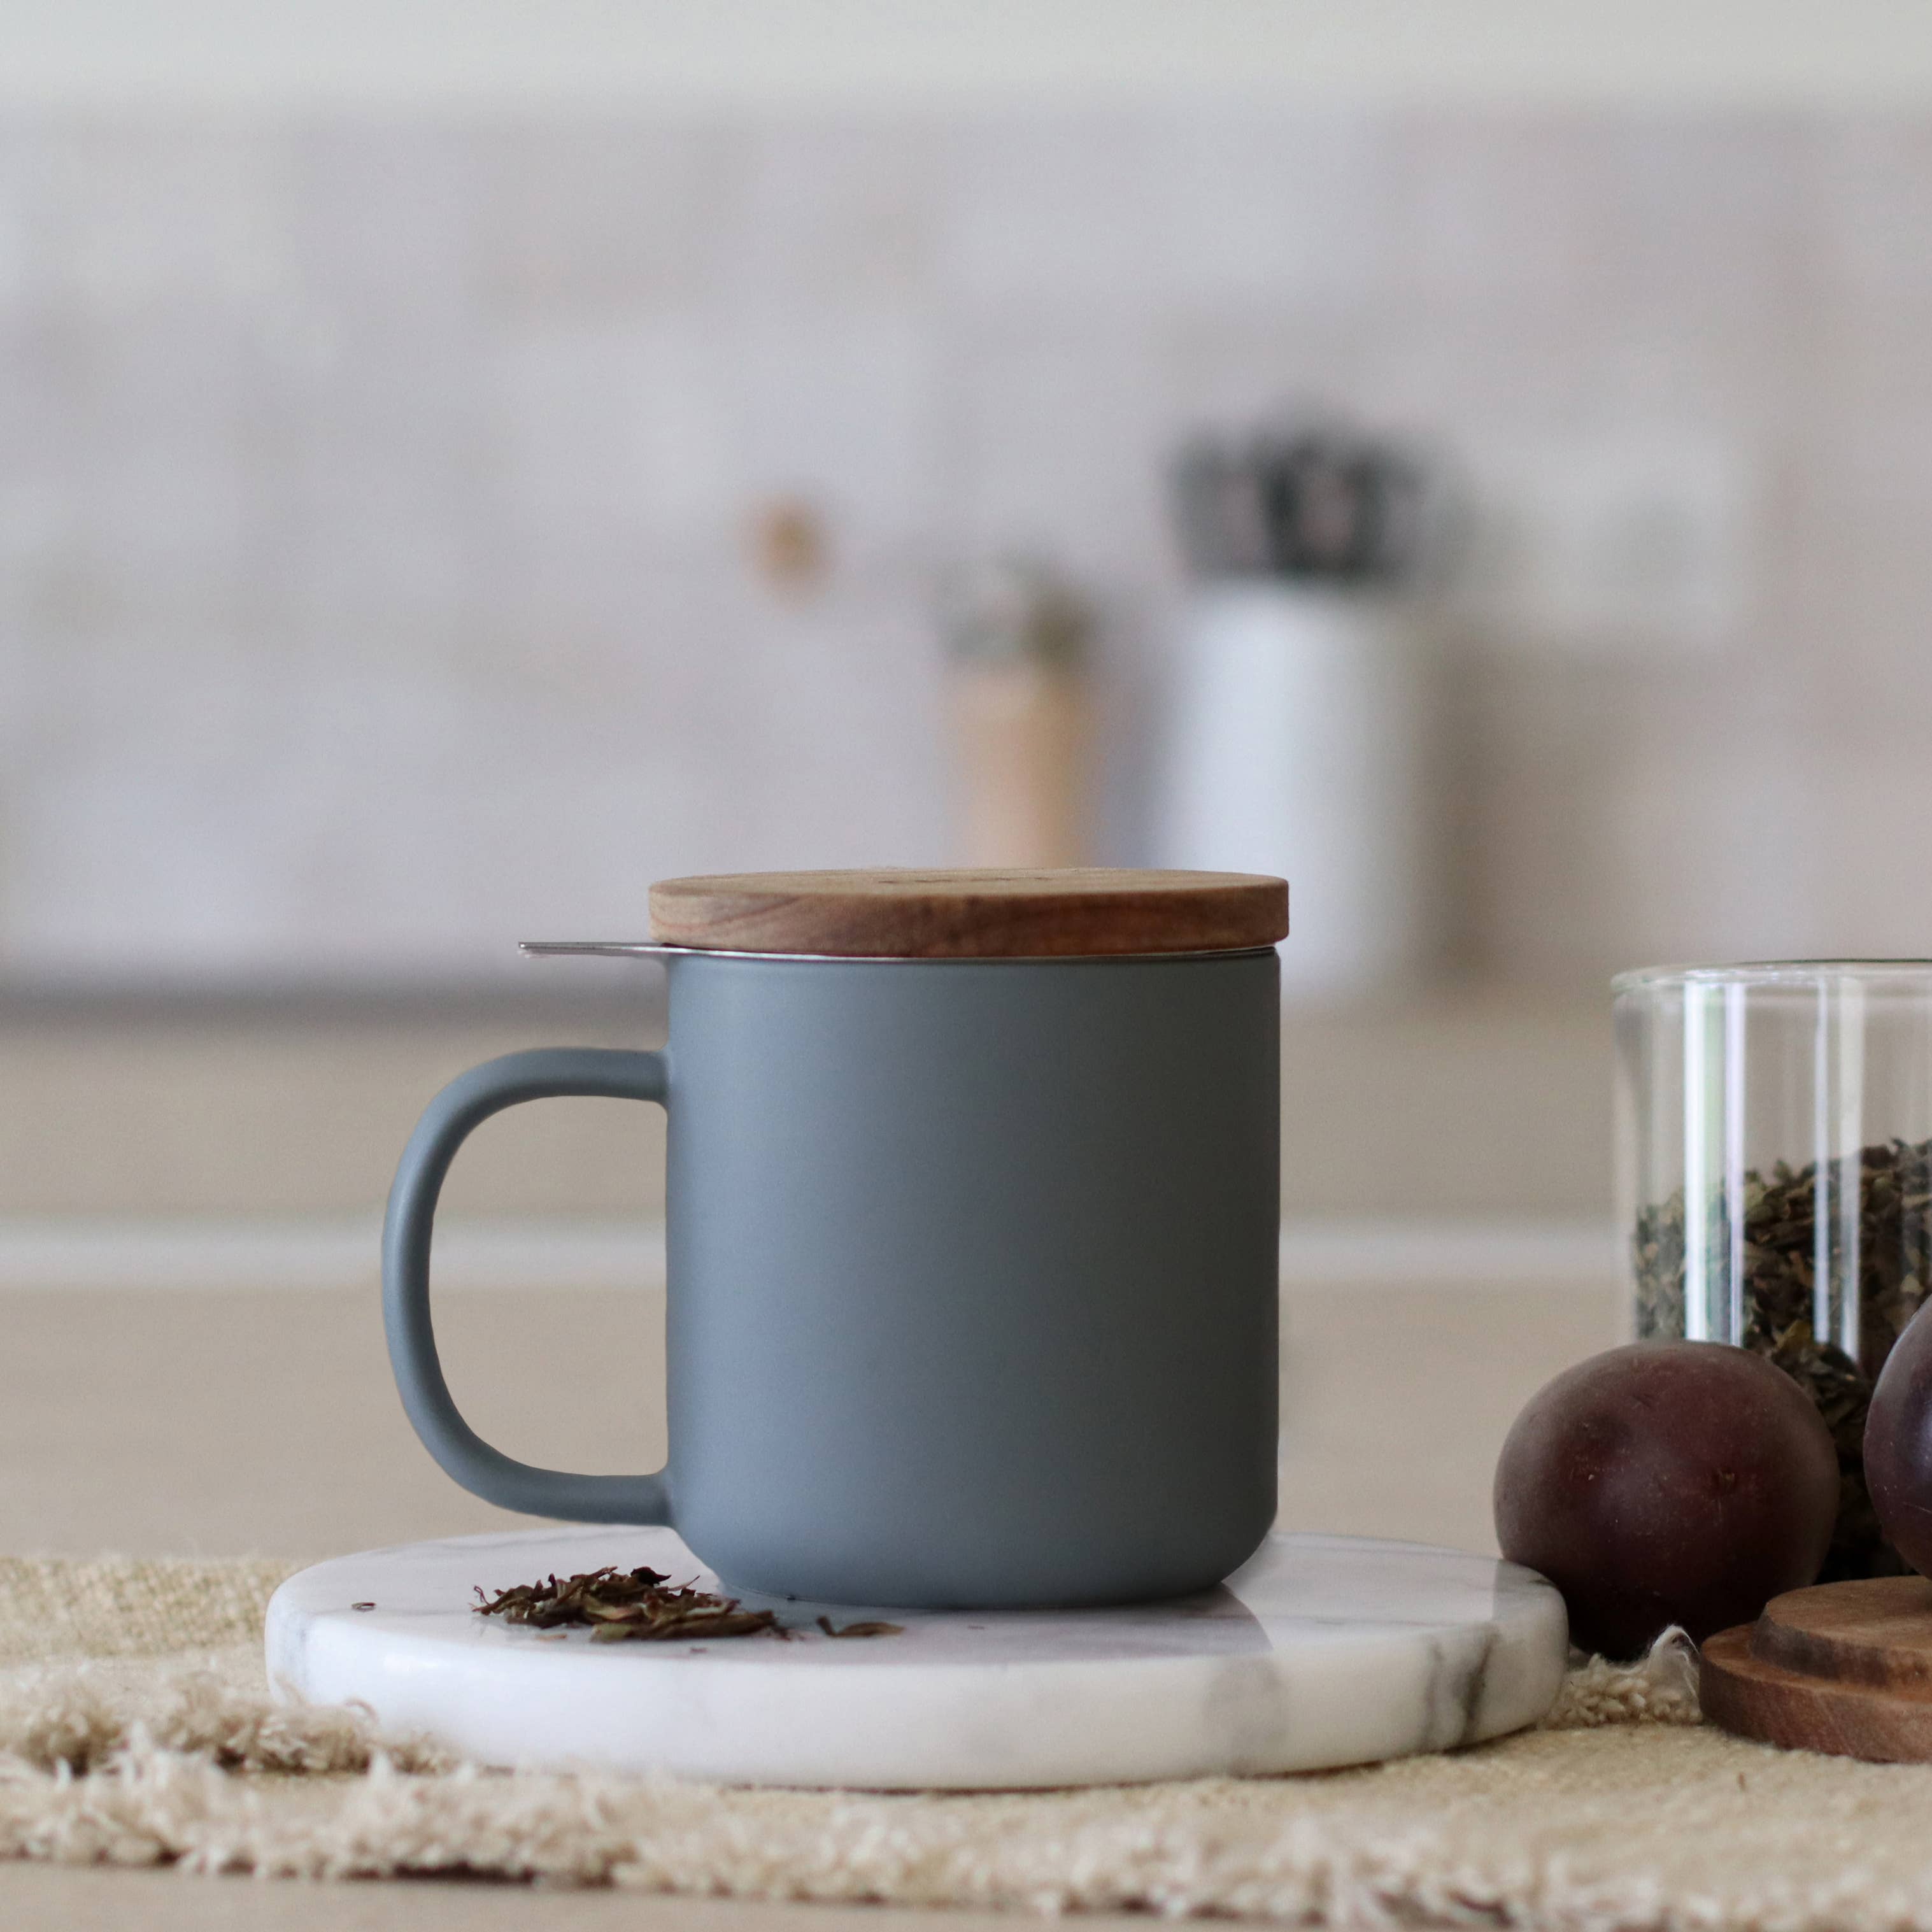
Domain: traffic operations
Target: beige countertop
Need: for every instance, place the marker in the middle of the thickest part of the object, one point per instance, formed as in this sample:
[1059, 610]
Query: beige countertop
[1478, 1104]
[191, 1423]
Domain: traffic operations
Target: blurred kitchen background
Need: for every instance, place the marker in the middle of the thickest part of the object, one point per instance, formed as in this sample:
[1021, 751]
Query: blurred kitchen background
[396, 506]
[459, 465]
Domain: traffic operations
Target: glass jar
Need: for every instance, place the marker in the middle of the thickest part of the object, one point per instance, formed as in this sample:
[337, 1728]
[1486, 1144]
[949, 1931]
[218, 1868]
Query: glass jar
[1775, 1178]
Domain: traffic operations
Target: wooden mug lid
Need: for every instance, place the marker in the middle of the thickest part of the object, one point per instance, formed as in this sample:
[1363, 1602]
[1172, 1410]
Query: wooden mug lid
[971, 915]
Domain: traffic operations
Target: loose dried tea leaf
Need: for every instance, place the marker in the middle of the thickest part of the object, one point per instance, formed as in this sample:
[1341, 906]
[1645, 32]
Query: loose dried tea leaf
[678, 1626]
[551, 1603]
[625, 1604]
[1892, 1184]
[873, 1629]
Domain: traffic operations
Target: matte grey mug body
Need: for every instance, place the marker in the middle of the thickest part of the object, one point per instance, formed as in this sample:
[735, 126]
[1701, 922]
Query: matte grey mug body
[972, 1274]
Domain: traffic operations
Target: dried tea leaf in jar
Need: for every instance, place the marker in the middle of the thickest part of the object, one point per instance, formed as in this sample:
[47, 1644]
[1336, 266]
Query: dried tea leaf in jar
[1887, 1242]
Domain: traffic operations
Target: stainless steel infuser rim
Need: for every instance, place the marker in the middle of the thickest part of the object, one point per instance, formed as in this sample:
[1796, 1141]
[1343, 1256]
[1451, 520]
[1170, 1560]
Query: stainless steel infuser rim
[653, 948]
[1776, 973]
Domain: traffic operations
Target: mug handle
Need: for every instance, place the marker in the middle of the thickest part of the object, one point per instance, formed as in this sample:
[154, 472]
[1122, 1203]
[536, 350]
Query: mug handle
[465, 1104]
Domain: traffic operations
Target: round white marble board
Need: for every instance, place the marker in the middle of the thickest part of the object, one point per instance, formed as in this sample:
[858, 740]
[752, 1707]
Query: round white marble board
[1322, 1651]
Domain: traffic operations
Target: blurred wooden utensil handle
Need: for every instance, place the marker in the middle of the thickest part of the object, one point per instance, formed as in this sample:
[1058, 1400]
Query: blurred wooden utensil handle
[1023, 734]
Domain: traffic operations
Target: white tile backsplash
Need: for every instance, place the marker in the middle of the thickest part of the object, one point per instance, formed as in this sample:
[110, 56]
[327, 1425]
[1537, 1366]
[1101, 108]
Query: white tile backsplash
[135, 217]
[376, 583]
[830, 217]
[1053, 433]
[1251, 207]
[1047, 212]
[593, 217]
[1872, 202]
[384, 220]
[839, 408]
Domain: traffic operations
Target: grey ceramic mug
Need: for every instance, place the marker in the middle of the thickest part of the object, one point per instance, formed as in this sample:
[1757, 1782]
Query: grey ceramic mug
[972, 1268]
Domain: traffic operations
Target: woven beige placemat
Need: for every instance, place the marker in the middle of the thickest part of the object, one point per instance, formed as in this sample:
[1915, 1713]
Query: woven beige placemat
[57, 1608]
[134, 1727]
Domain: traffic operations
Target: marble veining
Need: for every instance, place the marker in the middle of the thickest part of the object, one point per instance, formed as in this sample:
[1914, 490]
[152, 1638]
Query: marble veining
[1321, 1651]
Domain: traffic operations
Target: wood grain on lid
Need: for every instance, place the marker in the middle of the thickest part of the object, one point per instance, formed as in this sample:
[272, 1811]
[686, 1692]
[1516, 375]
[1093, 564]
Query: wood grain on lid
[971, 915]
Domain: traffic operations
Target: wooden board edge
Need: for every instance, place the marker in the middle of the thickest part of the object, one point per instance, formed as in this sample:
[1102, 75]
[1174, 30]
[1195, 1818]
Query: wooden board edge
[1749, 1698]
[1855, 1632]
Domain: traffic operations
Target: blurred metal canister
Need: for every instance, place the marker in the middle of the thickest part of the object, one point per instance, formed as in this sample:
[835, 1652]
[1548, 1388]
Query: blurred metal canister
[1297, 740]
[1017, 635]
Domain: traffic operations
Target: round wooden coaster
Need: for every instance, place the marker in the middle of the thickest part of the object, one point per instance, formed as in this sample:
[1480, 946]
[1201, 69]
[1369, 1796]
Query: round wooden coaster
[971, 915]
[1751, 1699]
[1877, 1631]
[1842, 1668]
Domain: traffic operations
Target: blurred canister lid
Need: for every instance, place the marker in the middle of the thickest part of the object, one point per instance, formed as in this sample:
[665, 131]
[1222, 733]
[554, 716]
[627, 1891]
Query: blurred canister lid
[1317, 501]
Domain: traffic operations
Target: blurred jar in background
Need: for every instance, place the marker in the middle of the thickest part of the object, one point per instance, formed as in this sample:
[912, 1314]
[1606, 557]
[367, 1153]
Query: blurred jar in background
[1298, 722]
[1018, 635]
